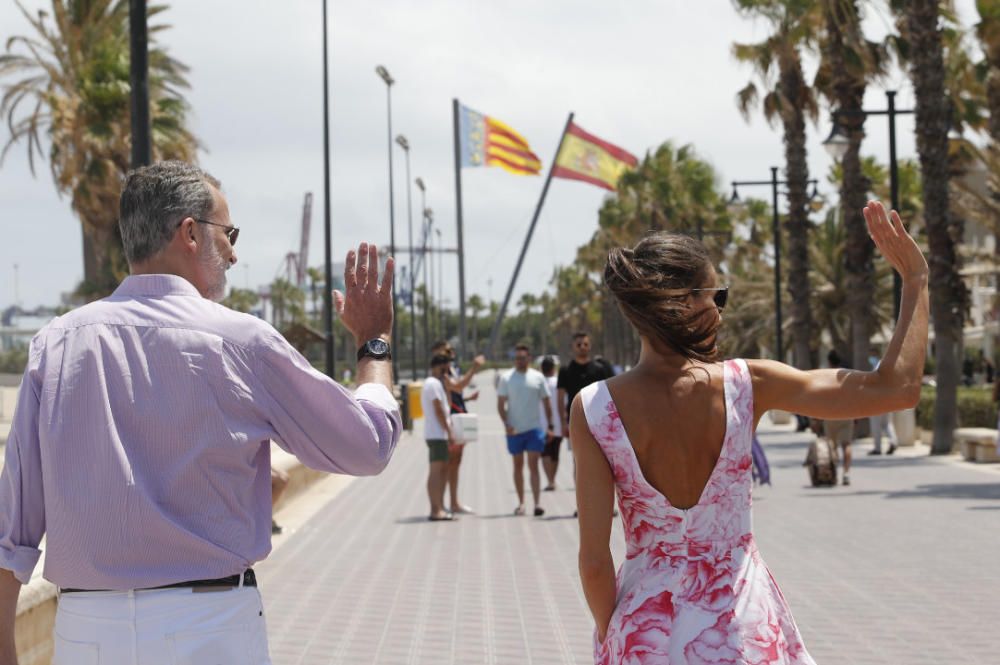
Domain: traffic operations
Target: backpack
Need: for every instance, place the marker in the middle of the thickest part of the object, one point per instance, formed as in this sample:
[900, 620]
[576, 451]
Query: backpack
[821, 462]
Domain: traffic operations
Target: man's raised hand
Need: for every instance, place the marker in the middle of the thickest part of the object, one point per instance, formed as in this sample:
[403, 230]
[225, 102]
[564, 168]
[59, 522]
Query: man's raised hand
[365, 307]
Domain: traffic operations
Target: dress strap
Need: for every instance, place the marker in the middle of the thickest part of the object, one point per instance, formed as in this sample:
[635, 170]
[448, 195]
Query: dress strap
[588, 400]
[739, 402]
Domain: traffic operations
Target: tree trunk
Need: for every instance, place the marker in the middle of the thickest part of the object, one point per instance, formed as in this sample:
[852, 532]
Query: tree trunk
[797, 221]
[947, 290]
[102, 255]
[90, 260]
[847, 92]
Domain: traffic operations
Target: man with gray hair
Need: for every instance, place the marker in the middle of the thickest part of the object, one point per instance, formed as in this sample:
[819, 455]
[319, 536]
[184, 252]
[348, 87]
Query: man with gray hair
[140, 445]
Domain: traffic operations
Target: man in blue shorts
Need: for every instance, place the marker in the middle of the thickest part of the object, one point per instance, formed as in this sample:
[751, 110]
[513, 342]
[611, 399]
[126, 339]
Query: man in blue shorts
[520, 392]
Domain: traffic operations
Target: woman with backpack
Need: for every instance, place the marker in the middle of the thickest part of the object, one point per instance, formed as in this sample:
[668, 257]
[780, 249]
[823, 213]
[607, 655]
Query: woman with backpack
[673, 437]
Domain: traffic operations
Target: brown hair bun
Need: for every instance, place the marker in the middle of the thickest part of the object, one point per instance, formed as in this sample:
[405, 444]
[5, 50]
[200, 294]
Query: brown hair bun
[652, 282]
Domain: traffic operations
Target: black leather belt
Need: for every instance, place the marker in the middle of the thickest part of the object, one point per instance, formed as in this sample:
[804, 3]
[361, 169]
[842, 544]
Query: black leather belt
[249, 579]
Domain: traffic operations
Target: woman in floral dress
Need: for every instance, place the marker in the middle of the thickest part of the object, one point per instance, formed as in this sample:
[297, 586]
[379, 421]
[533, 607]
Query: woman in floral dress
[673, 438]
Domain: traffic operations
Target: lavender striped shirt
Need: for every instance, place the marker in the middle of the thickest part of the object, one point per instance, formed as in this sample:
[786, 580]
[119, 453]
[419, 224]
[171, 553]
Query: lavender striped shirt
[140, 444]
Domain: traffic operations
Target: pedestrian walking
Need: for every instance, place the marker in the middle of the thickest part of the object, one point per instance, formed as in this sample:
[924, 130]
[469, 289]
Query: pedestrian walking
[581, 371]
[140, 447]
[438, 435]
[455, 384]
[553, 441]
[673, 437]
[881, 424]
[519, 394]
[840, 432]
[279, 483]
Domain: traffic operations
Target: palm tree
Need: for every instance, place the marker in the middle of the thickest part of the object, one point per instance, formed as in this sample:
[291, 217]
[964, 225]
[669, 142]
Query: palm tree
[476, 307]
[788, 99]
[830, 270]
[848, 63]
[527, 302]
[920, 29]
[241, 300]
[988, 32]
[68, 84]
[748, 325]
[317, 281]
[287, 302]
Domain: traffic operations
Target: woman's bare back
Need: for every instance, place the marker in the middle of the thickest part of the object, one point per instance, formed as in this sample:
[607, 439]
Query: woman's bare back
[676, 423]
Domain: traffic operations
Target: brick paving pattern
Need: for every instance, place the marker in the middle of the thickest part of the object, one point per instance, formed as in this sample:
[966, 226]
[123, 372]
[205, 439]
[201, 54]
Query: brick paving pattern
[900, 567]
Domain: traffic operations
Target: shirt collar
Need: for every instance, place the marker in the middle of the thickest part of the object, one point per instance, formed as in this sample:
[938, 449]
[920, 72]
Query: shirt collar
[154, 286]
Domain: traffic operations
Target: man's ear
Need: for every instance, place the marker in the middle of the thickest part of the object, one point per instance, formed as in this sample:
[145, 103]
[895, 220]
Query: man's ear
[186, 234]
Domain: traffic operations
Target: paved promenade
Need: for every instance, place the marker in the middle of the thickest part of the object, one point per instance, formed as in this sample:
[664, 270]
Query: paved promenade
[899, 568]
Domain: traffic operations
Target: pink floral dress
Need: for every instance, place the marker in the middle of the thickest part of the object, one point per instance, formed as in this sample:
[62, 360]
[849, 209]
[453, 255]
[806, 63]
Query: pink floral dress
[693, 588]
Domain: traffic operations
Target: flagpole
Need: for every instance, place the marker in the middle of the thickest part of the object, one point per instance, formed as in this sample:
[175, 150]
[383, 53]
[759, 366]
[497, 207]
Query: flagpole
[458, 222]
[527, 240]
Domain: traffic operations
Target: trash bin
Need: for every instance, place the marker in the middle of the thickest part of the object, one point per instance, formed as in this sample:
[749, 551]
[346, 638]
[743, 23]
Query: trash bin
[414, 389]
[905, 423]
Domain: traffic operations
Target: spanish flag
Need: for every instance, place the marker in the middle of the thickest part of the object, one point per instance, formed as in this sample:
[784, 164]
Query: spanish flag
[585, 157]
[486, 141]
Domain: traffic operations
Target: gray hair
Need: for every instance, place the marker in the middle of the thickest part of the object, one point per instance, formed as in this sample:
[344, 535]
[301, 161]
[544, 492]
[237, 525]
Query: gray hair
[155, 199]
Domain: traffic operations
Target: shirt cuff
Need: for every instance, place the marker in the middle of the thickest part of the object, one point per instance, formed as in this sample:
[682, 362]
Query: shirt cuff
[21, 561]
[378, 394]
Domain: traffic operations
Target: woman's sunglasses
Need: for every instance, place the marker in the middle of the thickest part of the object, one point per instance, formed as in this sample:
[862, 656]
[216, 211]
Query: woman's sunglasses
[721, 296]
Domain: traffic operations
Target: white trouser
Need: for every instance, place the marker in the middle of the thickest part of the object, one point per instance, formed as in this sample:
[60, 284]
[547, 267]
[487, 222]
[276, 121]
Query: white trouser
[882, 424]
[161, 627]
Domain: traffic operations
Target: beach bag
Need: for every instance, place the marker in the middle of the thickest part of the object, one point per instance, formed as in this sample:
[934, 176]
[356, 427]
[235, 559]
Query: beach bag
[465, 427]
[821, 462]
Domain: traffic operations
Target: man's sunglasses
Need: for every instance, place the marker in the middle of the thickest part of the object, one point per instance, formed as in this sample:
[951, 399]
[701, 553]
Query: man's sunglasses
[721, 295]
[232, 232]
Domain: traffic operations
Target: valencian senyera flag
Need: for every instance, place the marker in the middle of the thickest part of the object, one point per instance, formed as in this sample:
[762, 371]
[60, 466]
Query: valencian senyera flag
[585, 157]
[486, 141]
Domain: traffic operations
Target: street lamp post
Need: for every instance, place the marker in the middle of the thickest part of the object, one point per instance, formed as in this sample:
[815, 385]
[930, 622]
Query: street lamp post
[142, 143]
[431, 294]
[424, 232]
[442, 333]
[405, 145]
[776, 230]
[384, 75]
[331, 358]
[837, 143]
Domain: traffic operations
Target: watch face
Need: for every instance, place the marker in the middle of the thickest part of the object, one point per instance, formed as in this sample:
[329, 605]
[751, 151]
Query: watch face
[378, 347]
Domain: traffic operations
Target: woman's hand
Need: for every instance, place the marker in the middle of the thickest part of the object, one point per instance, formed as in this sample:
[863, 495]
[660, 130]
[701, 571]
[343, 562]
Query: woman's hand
[894, 243]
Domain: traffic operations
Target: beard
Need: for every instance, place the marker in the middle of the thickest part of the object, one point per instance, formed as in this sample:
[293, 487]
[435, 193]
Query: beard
[215, 266]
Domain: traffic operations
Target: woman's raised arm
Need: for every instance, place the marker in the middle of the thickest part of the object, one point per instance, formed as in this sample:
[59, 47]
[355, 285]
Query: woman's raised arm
[843, 393]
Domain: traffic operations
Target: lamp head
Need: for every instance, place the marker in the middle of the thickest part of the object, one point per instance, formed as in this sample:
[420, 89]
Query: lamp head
[403, 143]
[384, 74]
[837, 143]
[735, 207]
[420, 184]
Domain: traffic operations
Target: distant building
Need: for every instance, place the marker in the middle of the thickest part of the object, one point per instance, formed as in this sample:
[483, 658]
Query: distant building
[18, 325]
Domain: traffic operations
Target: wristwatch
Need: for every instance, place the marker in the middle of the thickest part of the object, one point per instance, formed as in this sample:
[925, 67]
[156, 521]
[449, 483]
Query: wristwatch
[375, 348]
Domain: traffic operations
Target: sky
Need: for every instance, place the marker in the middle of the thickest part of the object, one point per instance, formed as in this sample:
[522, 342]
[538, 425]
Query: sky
[635, 74]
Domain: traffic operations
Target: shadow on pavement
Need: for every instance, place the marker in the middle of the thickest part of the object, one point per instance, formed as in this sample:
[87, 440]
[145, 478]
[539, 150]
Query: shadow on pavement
[862, 462]
[422, 519]
[985, 491]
